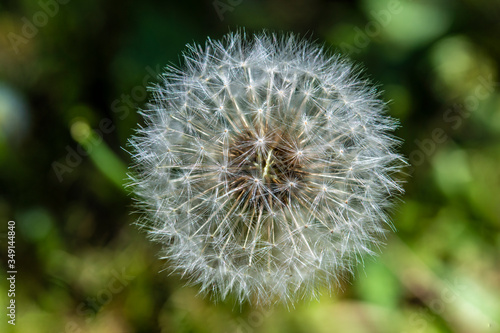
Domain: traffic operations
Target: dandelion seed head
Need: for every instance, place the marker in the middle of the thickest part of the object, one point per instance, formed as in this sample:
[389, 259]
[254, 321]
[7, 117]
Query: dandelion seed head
[265, 167]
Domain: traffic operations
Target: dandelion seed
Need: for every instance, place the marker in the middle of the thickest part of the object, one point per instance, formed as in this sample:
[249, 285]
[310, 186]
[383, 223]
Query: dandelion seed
[265, 167]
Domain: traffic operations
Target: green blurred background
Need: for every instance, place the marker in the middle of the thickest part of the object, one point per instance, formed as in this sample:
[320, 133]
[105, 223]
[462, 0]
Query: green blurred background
[72, 74]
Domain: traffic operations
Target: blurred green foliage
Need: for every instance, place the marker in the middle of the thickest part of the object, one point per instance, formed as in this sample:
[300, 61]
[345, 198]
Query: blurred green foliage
[72, 75]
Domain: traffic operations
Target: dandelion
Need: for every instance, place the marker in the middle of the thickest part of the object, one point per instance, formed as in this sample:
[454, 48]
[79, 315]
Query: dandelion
[265, 168]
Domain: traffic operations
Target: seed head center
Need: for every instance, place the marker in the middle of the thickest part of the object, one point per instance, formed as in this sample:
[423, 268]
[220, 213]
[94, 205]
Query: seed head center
[263, 167]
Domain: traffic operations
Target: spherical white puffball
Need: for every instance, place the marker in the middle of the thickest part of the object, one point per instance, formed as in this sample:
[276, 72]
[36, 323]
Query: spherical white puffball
[265, 167]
